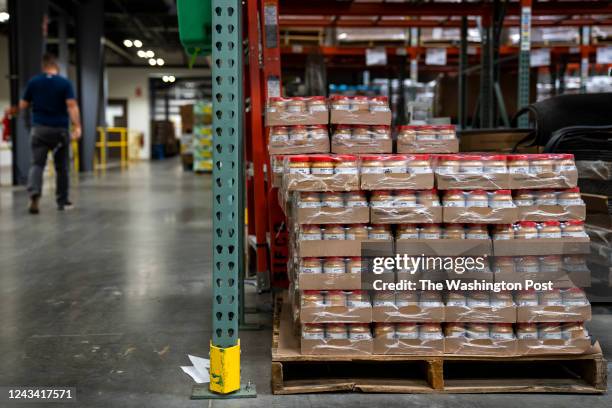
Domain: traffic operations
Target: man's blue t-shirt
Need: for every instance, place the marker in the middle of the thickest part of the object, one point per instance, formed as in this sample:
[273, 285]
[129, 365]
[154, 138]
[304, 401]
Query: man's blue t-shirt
[47, 95]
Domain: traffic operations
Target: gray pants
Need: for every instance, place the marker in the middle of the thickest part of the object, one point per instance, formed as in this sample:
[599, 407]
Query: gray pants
[43, 140]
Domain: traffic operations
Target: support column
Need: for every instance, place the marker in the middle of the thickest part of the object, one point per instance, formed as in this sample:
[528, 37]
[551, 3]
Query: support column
[62, 54]
[89, 33]
[463, 65]
[524, 64]
[26, 49]
[584, 58]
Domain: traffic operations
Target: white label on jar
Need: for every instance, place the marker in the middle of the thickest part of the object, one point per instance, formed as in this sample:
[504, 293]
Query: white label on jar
[309, 204]
[430, 235]
[356, 204]
[523, 203]
[518, 170]
[407, 336]
[405, 204]
[539, 169]
[359, 336]
[381, 204]
[453, 203]
[455, 302]
[279, 138]
[477, 203]
[546, 201]
[550, 235]
[384, 302]
[336, 335]
[526, 335]
[294, 108]
[502, 237]
[552, 302]
[546, 335]
[379, 108]
[478, 302]
[316, 107]
[502, 336]
[396, 169]
[575, 302]
[311, 269]
[334, 236]
[430, 303]
[351, 236]
[346, 170]
[409, 235]
[342, 107]
[471, 170]
[334, 269]
[322, 170]
[426, 137]
[528, 268]
[430, 335]
[420, 169]
[574, 234]
[530, 235]
[566, 167]
[332, 204]
[355, 269]
[380, 236]
[472, 235]
[527, 302]
[472, 334]
[501, 204]
[571, 201]
[299, 170]
[360, 303]
[445, 169]
[499, 303]
[310, 237]
[313, 336]
[494, 170]
[550, 267]
[372, 170]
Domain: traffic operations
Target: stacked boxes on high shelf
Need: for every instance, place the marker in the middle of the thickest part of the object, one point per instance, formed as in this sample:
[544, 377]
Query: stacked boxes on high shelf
[202, 137]
[521, 215]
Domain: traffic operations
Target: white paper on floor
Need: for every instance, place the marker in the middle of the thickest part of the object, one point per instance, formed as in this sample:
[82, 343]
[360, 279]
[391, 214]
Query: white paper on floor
[199, 370]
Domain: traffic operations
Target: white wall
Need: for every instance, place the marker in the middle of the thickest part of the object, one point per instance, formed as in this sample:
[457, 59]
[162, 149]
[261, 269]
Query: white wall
[133, 84]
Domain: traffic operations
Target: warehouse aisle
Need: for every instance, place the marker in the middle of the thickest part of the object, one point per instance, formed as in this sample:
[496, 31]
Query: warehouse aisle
[111, 296]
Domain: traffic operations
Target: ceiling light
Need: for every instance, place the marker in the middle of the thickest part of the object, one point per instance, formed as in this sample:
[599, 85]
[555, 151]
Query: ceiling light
[4, 17]
[141, 54]
[152, 62]
[150, 54]
[128, 43]
[171, 78]
[137, 43]
[165, 78]
[160, 61]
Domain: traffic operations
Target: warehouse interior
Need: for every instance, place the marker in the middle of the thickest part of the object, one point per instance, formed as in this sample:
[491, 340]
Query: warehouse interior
[216, 135]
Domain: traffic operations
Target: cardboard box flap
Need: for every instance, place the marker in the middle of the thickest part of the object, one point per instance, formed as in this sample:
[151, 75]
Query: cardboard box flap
[409, 313]
[399, 215]
[480, 215]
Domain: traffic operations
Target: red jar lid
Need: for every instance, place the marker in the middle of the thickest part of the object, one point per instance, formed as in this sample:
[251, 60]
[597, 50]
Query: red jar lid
[551, 223]
[345, 157]
[317, 98]
[572, 190]
[420, 157]
[380, 98]
[504, 192]
[494, 157]
[321, 158]
[528, 224]
[373, 157]
[574, 222]
[299, 158]
[516, 157]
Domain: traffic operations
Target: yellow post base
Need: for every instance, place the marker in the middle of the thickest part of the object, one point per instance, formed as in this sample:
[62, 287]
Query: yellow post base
[225, 369]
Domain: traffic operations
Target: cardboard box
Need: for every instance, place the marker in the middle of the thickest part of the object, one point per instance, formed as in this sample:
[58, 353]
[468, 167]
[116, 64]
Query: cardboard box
[320, 182]
[187, 119]
[551, 212]
[360, 117]
[541, 246]
[410, 313]
[558, 347]
[492, 140]
[384, 345]
[297, 118]
[484, 347]
[342, 347]
[347, 215]
[335, 314]
[428, 146]
[461, 181]
[561, 279]
[475, 314]
[396, 181]
[313, 146]
[553, 314]
[401, 215]
[361, 147]
[480, 215]
[444, 247]
[565, 179]
[337, 247]
[344, 281]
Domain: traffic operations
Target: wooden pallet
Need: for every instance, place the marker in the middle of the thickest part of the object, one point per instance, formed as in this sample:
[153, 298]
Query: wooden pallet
[294, 373]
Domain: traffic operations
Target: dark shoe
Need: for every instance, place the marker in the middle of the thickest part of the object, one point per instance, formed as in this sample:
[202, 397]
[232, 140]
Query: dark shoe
[33, 206]
[65, 206]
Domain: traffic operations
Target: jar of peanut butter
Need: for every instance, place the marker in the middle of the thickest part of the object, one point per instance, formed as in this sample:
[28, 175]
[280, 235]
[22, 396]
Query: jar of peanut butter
[454, 198]
[551, 264]
[360, 103]
[346, 164]
[407, 134]
[551, 298]
[384, 298]
[456, 299]
[503, 232]
[477, 331]
[354, 265]
[332, 200]
[276, 104]
[406, 298]
[527, 331]
[406, 330]
[429, 298]
[334, 232]
[311, 265]
[361, 133]
[501, 299]
[322, 164]
[478, 299]
[419, 164]
[343, 133]
[359, 331]
[503, 264]
[334, 265]
[430, 231]
[477, 231]
[309, 200]
[430, 331]
[471, 164]
[568, 197]
[526, 230]
[379, 104]
[372, 164]
[357, 299]
[382, 199]
[524, 198]
[310, 233]
[527, 298]
[501, 199]
[550, 229]
[335, 298]
[541, 164]
[296, 105]
[454, 231]
[356, 199]
[550, 331]
[448, 164]
[494, 164]
[407, 231]
[299, 164]
[380, 132]
[317, 104]
[527, 264]
[313, 331]
[404, 199]
[341, 102]
[336, 331]
[318, 132]
[574, 297]
[426, 133]
[477, 198]
[313, 298]
[565, 163]
[454, 330]
[428, 198]
[501, 331]
[298, 134]
[518, 164]
[384, 330]
[357, 232]
[573, 330]
[395, 164]
[545, 197]
[446, 132]
[573, 229]
[279, 134]
[380, 232]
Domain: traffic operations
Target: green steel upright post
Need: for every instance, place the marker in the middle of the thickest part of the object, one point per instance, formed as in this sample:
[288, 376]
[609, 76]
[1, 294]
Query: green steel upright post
[524, 63]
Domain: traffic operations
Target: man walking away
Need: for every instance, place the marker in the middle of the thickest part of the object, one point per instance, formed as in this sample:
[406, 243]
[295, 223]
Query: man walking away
[54, 107]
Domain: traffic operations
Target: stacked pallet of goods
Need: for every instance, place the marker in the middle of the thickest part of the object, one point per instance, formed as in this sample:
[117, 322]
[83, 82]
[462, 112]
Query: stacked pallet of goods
[202, 137]
[517, 217]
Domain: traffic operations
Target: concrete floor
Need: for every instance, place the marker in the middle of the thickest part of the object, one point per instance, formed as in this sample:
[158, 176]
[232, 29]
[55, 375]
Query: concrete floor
[112, 296]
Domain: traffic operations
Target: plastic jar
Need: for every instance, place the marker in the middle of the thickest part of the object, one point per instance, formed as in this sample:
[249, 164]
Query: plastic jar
[407, 134]
[357, 299]
[299, 164]
[341, 102]
[426, 133]
[380, 232]
[446, 132]
[361, 133]
[527, 264]
[379, 104]
[318, 132]
[456, 299]
[384, 298]
[471, 164]
[360, 103]
[372, 164]
[405, 198]
[322, 164]
[565, 162]
[296, 105]
[311, 265]
[406, 298]
[310, 233]
[524, 198]
[477, 198]
[503, 232]
[518, 164]
[454, 198]
[574, 297]
[573, 229]
[526, 230]
[550, 229]
[541, 164]
[454, 231]
[317, 104]
[527, 298]
[395, 164]
[454, 330]
[343, 132]
[277, 104]
[354, 264]
[573, 330]
[501, 299]
[428, 198]
[550, 331]
[503, 264]
[309, 200]
[384, 330]
[545, 197]
[430, 298]
[313, 331]
[551, 264]
[332, 200]
[494, 164]
[334, 265]
[501, 199]
[407, 331]
[358, 232]
[448, 164]
[298, 134]
[313, 298]
[551, 298]
[334, 232]
[478, 299]
[279, 134]
[527, 331]
[277, 163]
[359, 331]
[575, 263]
[381, 132]
[346, 164]
[419, 164]
[430, 231]
[501, 331]
[407, 231]
[381, 199]
[356, 199]
[430, 331]
[335, 298]
[336, 331]
[477, 231]
[571, 196]
[477, 331]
